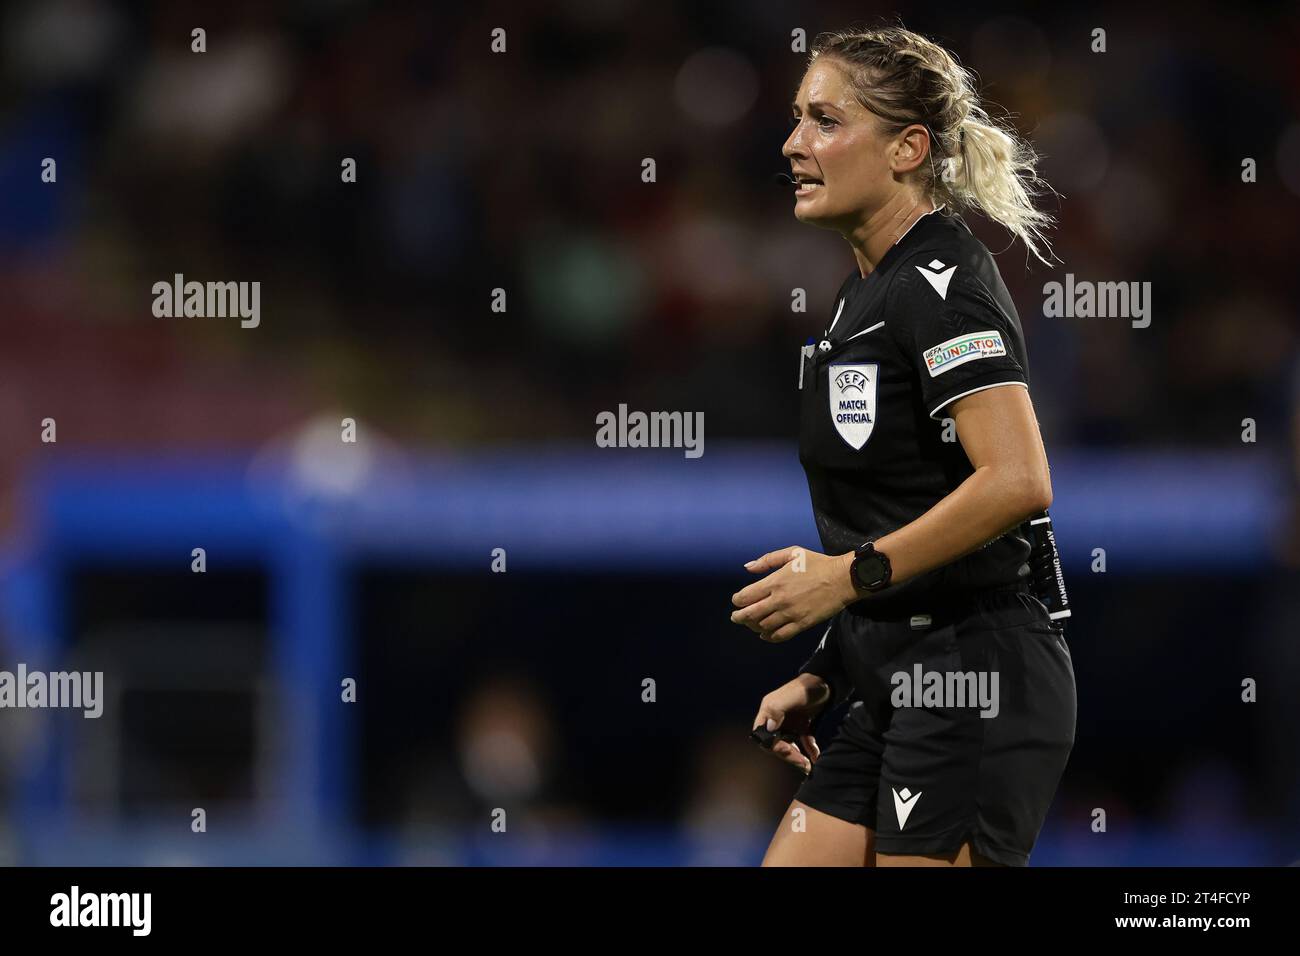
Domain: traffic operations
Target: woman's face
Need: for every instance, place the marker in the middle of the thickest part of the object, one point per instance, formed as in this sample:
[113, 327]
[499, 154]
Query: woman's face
[840, 145]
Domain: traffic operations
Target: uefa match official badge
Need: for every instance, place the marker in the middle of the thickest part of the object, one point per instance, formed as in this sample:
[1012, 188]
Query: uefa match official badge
[853, 401]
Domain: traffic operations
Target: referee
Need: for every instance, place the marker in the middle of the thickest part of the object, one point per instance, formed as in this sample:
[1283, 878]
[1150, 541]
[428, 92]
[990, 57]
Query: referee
[929, 484]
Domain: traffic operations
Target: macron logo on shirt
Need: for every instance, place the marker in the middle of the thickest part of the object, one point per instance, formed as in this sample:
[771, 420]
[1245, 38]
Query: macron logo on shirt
[938, 275]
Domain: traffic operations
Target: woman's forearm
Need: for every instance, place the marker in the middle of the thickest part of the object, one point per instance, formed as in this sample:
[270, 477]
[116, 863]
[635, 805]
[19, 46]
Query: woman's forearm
[984, 506]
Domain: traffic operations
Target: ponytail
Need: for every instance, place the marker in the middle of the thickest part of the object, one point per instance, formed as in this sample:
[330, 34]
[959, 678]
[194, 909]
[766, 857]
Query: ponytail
[995, 174]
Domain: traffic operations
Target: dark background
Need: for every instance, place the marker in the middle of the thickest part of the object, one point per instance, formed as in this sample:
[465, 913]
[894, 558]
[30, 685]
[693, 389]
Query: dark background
[522, 171]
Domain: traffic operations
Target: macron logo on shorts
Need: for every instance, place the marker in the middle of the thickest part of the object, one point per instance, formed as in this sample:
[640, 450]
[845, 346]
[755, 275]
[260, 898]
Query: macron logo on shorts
[903, 804]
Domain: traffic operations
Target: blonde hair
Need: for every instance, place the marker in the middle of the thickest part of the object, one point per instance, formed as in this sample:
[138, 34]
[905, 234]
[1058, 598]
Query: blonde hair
[904, 78]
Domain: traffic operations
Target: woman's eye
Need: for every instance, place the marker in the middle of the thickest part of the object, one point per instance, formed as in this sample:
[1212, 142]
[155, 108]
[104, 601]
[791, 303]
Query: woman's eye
[826, 122]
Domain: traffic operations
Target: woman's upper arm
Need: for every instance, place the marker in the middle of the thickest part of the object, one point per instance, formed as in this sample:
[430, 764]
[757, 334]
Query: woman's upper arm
[998, 430]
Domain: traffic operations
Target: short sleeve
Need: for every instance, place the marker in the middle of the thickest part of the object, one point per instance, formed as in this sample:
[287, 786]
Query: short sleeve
[954, 333]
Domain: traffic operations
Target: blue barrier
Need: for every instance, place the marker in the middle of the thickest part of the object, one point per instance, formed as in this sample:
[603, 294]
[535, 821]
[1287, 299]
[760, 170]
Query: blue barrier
[549, 506]
[244, 845]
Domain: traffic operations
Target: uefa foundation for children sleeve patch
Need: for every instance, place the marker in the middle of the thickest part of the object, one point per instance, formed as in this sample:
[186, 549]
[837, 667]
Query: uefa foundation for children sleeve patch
[963, 349]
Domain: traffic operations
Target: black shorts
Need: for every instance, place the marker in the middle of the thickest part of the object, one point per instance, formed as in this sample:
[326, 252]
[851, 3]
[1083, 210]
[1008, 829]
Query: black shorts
[915, 760]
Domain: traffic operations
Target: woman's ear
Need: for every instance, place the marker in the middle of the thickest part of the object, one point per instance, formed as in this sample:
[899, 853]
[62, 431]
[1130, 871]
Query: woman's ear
[911, 147]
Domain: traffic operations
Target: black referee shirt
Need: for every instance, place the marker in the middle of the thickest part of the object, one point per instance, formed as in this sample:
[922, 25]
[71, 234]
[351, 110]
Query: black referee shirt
[931, 324]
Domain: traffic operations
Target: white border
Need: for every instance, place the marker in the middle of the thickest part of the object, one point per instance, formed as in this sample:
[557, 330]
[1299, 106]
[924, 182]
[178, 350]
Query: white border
[864, 331]
[918, 219]
[973, 391]
[837, 317]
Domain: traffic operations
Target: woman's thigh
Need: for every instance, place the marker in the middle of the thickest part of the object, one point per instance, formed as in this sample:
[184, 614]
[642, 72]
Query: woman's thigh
[808, 837]
[963, 856]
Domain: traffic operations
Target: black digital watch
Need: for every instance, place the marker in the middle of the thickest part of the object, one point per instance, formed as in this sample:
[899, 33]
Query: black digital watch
[870, 570]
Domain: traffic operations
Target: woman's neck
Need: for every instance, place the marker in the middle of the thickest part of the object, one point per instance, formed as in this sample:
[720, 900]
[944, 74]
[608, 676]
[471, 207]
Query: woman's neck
[883, 228]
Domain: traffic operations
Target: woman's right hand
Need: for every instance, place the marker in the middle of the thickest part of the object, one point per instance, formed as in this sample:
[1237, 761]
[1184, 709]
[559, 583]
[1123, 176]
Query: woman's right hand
[791, 708]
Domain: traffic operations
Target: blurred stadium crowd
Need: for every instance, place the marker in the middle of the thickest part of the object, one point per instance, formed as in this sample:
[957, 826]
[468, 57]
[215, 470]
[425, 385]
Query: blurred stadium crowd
[523, 171]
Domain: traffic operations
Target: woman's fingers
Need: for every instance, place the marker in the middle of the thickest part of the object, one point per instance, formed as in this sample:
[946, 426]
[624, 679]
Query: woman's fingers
[750, 616]
[783, 633]
[782, 748]
[809, 745]
[779, 632]
[768, 621]
[792, 755]
[773, 559]
[752, 593]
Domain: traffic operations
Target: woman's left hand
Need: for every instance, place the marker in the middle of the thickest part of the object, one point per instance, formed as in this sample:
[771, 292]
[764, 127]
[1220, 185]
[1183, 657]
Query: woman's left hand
[805, 589]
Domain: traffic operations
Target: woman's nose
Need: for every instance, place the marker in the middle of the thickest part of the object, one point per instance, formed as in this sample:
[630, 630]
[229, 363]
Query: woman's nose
[793, 144]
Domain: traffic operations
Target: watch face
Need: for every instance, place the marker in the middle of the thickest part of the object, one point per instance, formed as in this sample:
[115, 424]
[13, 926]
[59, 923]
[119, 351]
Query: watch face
[870, 570]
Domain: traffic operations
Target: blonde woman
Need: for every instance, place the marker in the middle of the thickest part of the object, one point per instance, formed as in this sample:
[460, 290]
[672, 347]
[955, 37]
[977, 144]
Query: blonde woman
[937, 587]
